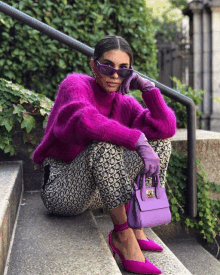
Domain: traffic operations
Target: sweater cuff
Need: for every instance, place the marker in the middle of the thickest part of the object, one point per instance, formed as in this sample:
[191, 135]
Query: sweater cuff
[131, 139]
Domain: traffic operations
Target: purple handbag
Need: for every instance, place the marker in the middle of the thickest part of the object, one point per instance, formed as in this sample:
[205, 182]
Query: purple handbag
[149, 206]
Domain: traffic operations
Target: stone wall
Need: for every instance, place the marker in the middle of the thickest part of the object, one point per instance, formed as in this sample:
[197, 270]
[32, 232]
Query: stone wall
[204, 66]
[207, 151]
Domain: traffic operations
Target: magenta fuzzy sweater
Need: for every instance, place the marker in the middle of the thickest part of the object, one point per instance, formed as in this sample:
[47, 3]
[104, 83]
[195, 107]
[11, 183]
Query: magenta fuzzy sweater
[83, 111]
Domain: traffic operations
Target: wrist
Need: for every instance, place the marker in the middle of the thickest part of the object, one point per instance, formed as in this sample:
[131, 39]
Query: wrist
[141, 141]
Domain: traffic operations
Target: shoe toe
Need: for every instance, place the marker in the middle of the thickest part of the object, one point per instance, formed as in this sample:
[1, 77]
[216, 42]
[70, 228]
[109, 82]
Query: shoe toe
[141, 267]
[149, 245]
[153, 269]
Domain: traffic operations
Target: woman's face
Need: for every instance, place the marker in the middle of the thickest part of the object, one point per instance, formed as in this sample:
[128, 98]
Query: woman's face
[117, 59]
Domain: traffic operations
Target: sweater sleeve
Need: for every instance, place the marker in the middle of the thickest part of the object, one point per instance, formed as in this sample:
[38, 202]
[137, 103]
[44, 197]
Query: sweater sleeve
[157, 121]
[77, 121]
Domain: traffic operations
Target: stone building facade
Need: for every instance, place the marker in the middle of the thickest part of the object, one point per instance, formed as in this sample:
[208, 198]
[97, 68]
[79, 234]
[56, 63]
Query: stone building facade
[204, 70]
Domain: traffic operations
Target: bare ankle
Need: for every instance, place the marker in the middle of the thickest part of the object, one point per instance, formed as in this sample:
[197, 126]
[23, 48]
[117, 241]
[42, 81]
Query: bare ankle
[123, 236]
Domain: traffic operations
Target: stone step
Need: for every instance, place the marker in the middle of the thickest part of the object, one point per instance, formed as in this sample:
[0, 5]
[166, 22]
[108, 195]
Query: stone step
[45, 244]
[185, 244]
[194, 257]
[165, 260]
[181, 254]
[11, 180]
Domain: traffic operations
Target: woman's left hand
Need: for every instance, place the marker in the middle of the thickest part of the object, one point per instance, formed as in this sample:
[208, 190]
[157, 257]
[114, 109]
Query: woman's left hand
[135, 82]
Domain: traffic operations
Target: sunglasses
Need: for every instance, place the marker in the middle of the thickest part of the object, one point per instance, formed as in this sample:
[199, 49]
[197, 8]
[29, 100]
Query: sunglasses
[108, 70]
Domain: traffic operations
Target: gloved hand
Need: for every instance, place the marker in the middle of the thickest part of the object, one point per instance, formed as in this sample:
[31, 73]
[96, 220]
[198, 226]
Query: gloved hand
[135, 82]
[149, 157]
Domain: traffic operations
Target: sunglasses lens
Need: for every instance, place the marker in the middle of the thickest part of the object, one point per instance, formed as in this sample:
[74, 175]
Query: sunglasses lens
[106, 70]
[124, 73]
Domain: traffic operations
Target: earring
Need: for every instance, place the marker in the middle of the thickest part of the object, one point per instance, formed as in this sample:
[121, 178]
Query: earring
[93, 73]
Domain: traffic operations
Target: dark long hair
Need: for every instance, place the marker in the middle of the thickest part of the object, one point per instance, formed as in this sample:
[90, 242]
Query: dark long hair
[112, 42]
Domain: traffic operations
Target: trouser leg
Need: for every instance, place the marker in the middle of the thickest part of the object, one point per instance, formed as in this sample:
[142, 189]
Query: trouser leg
[103, 169]
[67, 186]
[110, 175]
[131, 164]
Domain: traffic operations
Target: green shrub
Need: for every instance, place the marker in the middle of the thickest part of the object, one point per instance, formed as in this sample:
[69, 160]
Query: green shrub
[167, 21]
[180, 110]
[207, 222]
[31, 59]
[20, 106]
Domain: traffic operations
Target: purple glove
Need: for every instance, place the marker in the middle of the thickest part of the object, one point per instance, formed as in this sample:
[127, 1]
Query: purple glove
[149, 157]
[135, 82]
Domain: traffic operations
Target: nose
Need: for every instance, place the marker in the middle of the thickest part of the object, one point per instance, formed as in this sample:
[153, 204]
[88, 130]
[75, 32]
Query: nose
[115, 75]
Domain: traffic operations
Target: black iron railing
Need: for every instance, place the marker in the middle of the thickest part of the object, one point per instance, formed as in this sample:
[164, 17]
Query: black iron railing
[191, 206]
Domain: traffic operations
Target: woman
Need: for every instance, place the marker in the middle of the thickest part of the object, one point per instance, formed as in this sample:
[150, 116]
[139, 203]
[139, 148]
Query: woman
[95, 145]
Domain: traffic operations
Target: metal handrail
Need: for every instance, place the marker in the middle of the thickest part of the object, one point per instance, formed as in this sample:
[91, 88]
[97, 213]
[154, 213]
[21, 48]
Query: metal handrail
[191, 207]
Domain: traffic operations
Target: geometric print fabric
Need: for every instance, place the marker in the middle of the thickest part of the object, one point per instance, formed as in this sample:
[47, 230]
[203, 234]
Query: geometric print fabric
[100, 176]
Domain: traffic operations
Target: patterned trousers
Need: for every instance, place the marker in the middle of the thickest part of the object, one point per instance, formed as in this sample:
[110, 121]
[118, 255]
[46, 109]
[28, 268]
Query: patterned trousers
[100, 176]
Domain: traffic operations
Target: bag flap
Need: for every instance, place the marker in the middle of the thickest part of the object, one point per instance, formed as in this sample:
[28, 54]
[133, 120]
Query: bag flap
[152, 202]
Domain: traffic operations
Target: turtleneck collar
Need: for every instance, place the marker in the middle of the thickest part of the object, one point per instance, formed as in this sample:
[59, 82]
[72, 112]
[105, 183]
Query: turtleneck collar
[101, 93]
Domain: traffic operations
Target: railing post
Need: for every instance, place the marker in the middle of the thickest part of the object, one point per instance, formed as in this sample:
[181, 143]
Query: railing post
[191, 160]
[188, 102]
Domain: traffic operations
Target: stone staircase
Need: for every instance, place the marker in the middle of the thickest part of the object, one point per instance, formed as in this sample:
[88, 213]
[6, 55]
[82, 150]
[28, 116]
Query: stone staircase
[11, 184]
[49, 245]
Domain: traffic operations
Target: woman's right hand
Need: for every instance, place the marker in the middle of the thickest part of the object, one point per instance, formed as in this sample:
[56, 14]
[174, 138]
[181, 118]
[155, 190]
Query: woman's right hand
[149, 157]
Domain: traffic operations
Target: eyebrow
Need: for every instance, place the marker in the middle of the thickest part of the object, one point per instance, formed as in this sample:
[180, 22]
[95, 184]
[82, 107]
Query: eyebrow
[113, 63]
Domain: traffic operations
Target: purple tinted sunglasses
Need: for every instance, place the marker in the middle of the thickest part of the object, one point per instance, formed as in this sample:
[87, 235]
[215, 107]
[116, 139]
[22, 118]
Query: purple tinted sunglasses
[108, 70]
